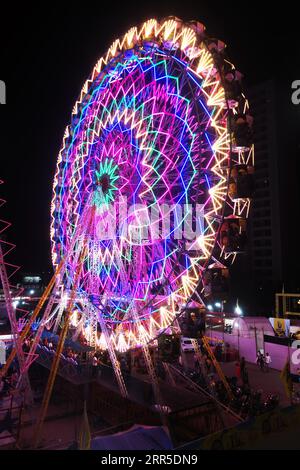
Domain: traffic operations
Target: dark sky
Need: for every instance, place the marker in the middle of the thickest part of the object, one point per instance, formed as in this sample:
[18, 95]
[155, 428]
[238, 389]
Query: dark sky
[46, 53]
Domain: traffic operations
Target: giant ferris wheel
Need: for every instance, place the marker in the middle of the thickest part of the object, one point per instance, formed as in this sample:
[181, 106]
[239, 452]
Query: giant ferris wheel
[159, 131]
[150, 197]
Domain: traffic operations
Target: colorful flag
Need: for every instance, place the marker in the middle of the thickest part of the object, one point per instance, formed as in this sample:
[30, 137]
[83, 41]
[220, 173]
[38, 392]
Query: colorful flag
[84, 440]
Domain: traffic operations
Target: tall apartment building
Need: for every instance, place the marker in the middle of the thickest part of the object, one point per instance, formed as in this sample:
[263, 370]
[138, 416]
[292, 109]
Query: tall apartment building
[271, 260]
[265, 225]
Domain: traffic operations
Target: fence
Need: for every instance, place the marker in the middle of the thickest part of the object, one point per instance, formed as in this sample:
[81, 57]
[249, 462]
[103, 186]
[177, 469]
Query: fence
[247, 348]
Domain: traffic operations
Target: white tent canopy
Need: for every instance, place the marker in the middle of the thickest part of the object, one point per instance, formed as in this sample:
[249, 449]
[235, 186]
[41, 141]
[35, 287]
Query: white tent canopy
[245, 326]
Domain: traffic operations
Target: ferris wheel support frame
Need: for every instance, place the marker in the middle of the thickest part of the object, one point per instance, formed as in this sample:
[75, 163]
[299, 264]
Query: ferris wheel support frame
[56, 360]
[151, 370]
[24, 379]
[48, 293]
[17, 341]
[113, 358]
[55, 364]
[31, 320]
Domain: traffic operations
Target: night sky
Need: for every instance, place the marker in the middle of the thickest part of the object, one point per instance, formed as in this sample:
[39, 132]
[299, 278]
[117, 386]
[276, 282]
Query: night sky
[48, 52]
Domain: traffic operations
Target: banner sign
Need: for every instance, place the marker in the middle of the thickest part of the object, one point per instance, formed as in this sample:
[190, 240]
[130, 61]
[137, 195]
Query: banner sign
[281, 326]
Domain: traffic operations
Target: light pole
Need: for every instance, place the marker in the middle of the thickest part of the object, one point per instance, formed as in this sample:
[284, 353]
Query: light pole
[223, 319]
[210, 309]
[238, 309]
[220, 305]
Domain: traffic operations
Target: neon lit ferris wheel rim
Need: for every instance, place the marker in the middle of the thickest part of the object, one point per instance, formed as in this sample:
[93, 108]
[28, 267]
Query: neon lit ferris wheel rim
[151, 127]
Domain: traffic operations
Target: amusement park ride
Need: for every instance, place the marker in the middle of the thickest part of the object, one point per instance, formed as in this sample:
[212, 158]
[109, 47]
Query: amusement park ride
[161, 125]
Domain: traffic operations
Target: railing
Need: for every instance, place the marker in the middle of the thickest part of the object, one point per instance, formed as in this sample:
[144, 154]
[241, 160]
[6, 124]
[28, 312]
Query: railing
[68, 368]
[189, 383]
[137, 389]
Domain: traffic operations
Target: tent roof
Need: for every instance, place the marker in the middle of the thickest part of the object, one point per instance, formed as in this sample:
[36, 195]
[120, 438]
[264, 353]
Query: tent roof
[249, 323]
[136, 438]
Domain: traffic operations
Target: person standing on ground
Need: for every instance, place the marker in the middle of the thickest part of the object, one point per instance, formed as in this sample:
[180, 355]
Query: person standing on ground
[245, 378]
[208, 364]
[1, 388]
[262, 362]
[244, 372]
[94, 366]
[196, 362]
[237, 371]
[258, 357]
[268, 361]
[242, 365]
[123, 364]
[180, 360]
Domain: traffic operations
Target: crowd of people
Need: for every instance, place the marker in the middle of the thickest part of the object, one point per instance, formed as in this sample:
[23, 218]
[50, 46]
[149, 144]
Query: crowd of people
[68, 353]
[263, 361]
[245, 401]
[241, 372]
